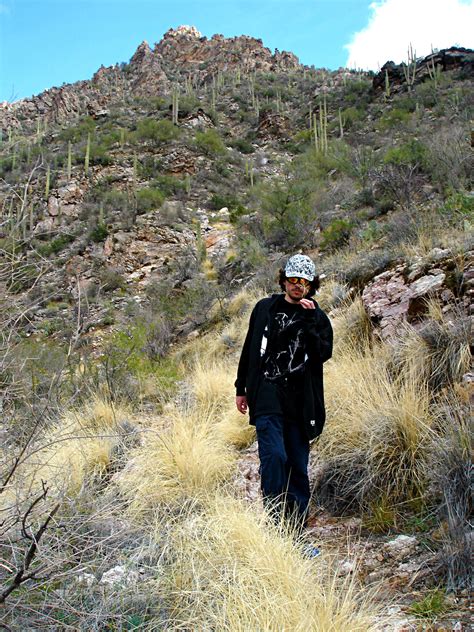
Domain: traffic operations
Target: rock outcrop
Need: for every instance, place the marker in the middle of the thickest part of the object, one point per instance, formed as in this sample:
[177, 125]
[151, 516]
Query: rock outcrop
[443, 60]
[400, 295]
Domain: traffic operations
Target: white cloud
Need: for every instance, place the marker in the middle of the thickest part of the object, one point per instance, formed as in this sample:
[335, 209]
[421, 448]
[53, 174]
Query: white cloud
[395, 24]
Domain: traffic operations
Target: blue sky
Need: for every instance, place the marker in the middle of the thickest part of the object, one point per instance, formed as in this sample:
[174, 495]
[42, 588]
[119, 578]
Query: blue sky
[44, 43]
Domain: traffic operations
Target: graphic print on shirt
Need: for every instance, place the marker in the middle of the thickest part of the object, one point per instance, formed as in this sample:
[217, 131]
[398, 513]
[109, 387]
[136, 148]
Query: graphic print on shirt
[287, 355]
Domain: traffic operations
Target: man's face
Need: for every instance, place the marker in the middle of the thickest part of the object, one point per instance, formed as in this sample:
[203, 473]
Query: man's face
[296, 291]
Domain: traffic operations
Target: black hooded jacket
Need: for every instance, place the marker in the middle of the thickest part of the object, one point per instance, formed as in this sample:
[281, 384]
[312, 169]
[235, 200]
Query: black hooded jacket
[318, 336]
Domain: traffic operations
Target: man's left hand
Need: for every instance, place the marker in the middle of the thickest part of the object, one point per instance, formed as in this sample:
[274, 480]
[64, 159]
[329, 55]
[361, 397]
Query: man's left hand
[307, 303]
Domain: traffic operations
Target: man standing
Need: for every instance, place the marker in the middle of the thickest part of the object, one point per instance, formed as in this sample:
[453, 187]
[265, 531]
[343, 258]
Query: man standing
[280, 381]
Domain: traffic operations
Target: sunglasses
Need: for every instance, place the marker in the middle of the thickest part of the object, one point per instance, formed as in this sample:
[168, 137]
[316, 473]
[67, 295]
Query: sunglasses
[298, 281]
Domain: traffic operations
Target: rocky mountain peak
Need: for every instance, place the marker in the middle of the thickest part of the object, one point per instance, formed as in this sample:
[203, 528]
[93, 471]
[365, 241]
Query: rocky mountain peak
[182, 31]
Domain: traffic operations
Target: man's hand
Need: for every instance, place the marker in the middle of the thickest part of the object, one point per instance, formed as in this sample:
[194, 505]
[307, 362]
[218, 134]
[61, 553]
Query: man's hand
[241, 403]
[307, 303]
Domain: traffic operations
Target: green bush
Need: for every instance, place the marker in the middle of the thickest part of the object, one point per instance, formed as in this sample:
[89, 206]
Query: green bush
[98, 155]
[459, 206]
[149, 199]
[336, 235]
[79, 132]
[413, 152]
[357, 91]
[393, 118]
[169, 185]
[114, 201]
[350, 117]
[157, 131]
[210, 142]
[99, 233]
[55, 246]
[243, 145]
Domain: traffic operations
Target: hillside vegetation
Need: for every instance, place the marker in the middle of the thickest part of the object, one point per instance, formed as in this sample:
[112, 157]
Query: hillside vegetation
[140, 223]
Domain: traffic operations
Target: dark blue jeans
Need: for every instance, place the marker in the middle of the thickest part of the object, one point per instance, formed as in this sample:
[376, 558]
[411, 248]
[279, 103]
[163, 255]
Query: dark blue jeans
[283, 449]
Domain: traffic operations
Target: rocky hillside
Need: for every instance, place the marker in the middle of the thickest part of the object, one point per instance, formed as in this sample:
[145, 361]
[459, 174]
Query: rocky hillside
[135, 207]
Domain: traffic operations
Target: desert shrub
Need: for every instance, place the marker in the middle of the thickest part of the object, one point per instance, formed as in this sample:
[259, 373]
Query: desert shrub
[210, 143]
[98, 154]
[111, 279]
[170, 185]
[221, 200]
[367, 265]
[149, 199]
[243, 145]
[357, 91]
[393, 118]
[336, 234]
[156, 131]
[396, 184]
[249, 254]
[22, 276]
[458, 209]
[450, 159]
[413, 152]
[150, 167]
[99, 232]
[115, 202]
[80, 131]
[352, 116]
[55, 245]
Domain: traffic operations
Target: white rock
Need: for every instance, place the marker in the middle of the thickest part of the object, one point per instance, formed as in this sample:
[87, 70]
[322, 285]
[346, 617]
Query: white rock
[402, 546]
[119, 575]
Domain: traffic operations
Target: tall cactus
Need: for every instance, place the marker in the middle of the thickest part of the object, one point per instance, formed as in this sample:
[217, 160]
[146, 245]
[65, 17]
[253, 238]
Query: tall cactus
[69, 160]
[175, 105]
[410, 68]
[88, 154]
[387, 85]
[320, 128]
[48, 182]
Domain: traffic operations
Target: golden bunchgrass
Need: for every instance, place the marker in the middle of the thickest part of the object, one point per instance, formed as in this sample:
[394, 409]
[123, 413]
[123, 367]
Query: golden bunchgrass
[186, 460]
[79, 447]
[231, 571]
[373, 418]
[212, 384]
[234, 428]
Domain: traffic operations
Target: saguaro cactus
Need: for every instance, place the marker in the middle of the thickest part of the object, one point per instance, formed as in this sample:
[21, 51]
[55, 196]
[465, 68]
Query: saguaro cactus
[88, 154]
[409, 68]
[175, 105]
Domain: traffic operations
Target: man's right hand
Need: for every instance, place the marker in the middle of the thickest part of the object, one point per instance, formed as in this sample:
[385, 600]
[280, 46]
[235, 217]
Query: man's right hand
[241, 403]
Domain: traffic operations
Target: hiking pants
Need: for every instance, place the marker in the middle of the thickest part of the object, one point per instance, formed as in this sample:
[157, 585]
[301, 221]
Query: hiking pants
[283, 449]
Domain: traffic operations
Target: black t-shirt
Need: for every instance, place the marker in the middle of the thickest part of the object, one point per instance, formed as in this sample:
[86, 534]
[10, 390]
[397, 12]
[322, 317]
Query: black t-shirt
[283, 358]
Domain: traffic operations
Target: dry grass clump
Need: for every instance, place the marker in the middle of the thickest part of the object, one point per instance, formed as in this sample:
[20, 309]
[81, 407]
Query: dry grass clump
[186, 460]
[234, 428]
[438, 351]
[378, 431]
[352, 327]
[212, 384]
[230, 571]
[450, 471]
[78, 448]
[332, 294]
